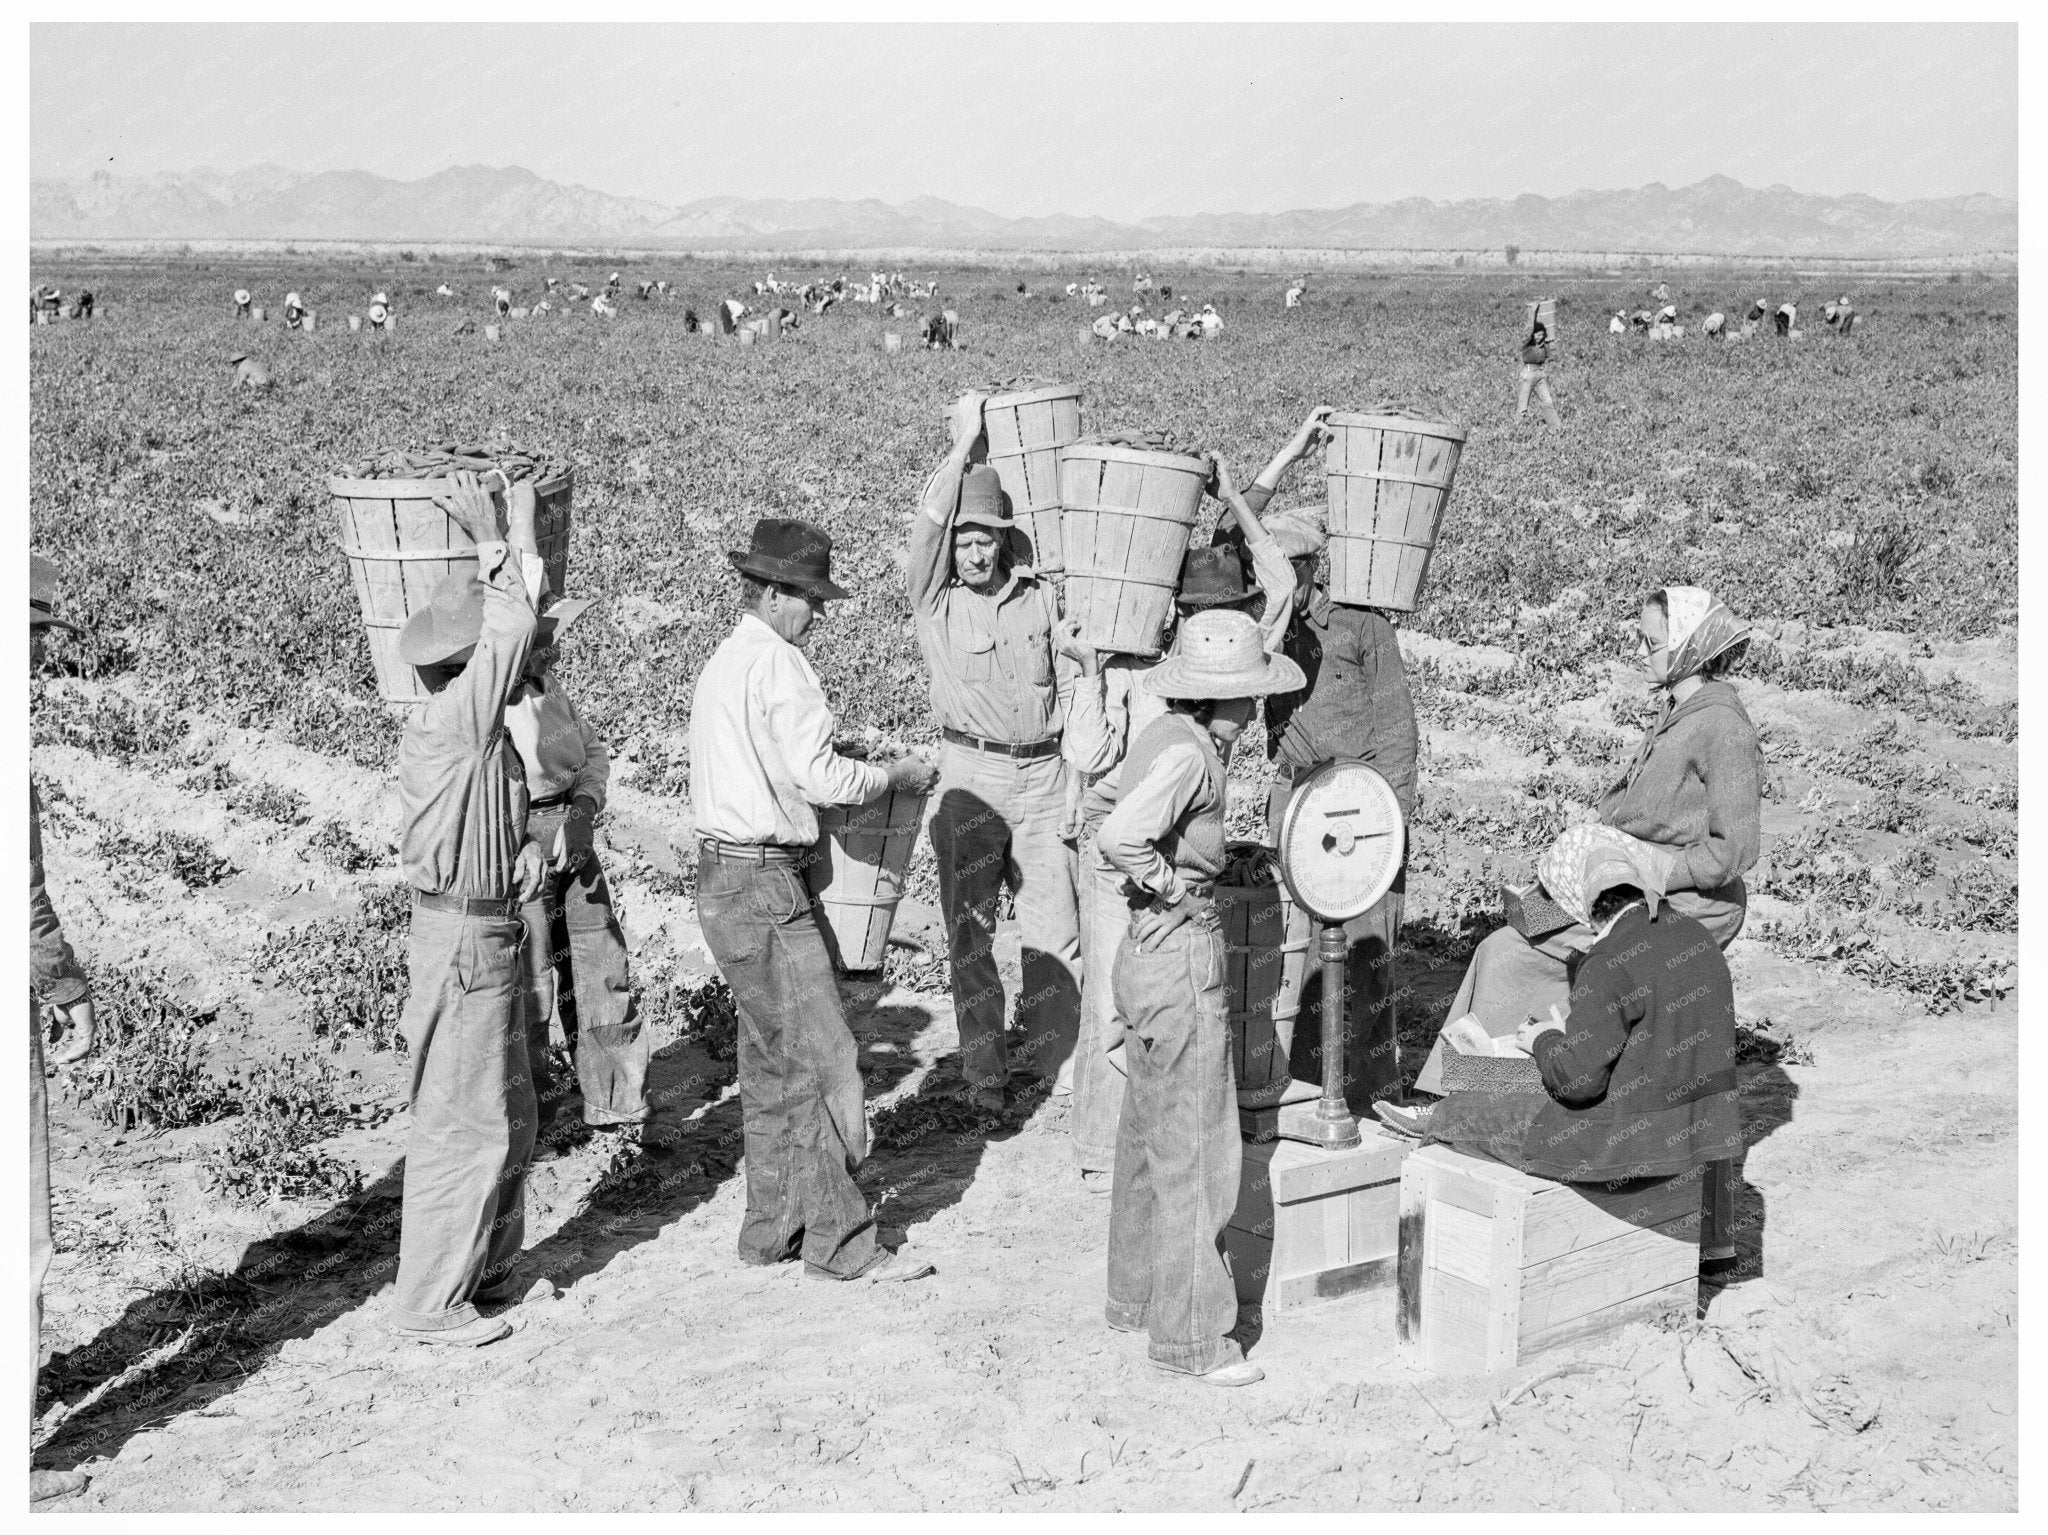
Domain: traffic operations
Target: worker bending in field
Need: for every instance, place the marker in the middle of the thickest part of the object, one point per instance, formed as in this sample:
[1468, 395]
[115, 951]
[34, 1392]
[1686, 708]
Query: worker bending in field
[463, 801]
[57, 987]
[1353, 703]
[985, 624]
[761, 759]
[1178, 1152]
[1107, 711]
[576, 972]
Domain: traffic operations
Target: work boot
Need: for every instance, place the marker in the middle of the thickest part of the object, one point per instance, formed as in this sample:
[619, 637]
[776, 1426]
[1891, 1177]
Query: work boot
[1413, 1123]
[1098, 1183]
[474, 1333]
[1239, 1372]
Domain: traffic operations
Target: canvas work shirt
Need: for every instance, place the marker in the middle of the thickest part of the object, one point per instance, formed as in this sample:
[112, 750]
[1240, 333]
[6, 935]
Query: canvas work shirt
[461, 786]
[990, 655]
[761, 752]
[1694, 787]
[1105, 714]
[564, 757]
[1356, 703]
[1167, 829]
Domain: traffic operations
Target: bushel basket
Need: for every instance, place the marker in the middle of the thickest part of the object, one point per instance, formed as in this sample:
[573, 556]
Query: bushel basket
[1025, 434]
[399, 546]
[1127, 514]
[856, 877]
[1389, 481]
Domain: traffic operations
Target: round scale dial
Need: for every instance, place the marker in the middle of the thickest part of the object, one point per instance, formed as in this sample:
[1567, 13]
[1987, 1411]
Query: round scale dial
[1341, 840]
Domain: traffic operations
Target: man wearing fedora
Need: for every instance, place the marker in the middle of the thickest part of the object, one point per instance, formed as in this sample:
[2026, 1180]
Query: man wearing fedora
[577, 978]
[1178, 1152]
[1109, 710]
[761, 760]
[986, 625]
[57, 987]
[1354, 703]
[463, 849]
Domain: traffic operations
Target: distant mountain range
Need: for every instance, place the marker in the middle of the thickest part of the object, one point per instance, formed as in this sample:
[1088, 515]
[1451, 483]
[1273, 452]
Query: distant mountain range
[512, 206]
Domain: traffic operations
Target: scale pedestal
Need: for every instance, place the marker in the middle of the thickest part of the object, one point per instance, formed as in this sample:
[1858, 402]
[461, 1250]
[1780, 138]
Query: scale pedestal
[1319, 1208]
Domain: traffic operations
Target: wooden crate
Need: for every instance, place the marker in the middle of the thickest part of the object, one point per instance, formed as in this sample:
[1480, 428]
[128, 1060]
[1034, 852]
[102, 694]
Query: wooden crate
[1314, 1225]
[1025, 434]
[1497, 1266]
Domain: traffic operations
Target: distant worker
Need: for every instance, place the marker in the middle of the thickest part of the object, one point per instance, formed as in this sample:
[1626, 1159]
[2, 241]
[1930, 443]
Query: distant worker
[294, 312]
[1105, 327]
[1295, 290]
[249, 372]
[85, 305]
[1715, 326]
[241, 303]
[501, 300]
[1786, 318]
[444, 291]
[1661, 293]
[1618, 324]
[1838, 315]
[1211, 321]
[936, 332]
[1535, 358]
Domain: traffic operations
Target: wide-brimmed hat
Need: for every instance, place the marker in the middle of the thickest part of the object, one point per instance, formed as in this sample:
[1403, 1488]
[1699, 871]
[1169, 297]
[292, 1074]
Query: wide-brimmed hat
[983, 501]
[42, 596]
[790, 552]
[452, 622]
[1220, 654]
[1301, 531]
[1211, 578]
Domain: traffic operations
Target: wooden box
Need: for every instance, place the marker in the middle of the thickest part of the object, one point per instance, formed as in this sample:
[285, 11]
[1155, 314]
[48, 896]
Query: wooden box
[1497, 1266]
[1314, 1225]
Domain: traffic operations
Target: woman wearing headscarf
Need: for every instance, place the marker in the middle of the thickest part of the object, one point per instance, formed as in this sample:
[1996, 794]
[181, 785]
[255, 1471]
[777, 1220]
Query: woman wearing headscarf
[1692, 791]
[1638, 1078]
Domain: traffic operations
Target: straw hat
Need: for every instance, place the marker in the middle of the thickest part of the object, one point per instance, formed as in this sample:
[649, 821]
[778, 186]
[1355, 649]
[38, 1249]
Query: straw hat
[241, 295]
[450, 625]
[1220, 654]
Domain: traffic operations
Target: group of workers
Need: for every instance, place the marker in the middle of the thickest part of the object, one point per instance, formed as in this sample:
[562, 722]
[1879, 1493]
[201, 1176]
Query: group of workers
[46, 305]
[1665, 325]
[1088, 788]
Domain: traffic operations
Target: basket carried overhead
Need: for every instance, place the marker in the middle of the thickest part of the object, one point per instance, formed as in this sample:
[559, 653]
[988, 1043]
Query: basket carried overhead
[856, 879]
[1389, 482]
[399, 545]
[1026, 431]
[1127, 513]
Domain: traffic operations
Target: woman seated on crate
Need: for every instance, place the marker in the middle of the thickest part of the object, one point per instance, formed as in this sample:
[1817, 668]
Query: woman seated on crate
[1637, 1080]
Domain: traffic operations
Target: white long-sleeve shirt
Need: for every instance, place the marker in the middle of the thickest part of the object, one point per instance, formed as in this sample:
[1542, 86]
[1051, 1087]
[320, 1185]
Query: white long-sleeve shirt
[761, 752]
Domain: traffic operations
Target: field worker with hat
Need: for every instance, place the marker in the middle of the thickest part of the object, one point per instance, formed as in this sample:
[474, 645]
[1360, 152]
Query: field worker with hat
[576, 970]
[241, 303]
[1355, 703]
[294, 311]
[761, 760]
[1108, 710]
[58, 989]
[986, 626]
[1786, 317]
[1178, 1152]
[1617, 324]
[463, 798]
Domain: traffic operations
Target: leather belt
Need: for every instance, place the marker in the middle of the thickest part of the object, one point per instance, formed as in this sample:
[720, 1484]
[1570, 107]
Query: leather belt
[504, 908]
[750, 852]
[1023, 751]
[558, 802]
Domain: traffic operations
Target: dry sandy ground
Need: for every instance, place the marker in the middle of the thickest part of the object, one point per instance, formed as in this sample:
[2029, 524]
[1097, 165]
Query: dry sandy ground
[1872, 1362]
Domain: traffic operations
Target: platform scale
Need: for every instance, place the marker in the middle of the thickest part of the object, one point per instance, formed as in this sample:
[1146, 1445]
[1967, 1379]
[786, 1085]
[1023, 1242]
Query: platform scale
[1318, 1210]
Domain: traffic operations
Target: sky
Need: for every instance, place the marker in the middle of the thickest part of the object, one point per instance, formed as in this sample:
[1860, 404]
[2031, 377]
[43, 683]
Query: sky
[1117, 121]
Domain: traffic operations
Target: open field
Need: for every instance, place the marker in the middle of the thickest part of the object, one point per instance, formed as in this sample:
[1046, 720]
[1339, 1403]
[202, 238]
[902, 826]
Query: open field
[220, 829]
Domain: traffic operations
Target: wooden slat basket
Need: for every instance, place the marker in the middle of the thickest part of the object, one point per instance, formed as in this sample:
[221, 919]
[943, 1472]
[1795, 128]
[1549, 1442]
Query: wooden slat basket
[857, 877]
[1026, 431]
[399, 545]
[1389, 482]
[1127, 514]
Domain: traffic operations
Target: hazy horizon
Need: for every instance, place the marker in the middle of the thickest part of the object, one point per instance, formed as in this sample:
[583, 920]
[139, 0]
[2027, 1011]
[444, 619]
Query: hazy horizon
[1120, 122]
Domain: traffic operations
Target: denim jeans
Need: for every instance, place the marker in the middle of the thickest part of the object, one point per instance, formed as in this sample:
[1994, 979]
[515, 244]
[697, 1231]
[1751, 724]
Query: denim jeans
[472, 1112]
[1177, 1151]
[40, 1245]
[577, 980]
[802, 1102]
[997, 824]
[1098, 1075]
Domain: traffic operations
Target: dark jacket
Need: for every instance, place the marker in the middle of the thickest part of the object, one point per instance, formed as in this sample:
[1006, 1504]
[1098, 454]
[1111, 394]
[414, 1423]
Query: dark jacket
[54, 970]
[1642, 1080]
[1356, 703]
